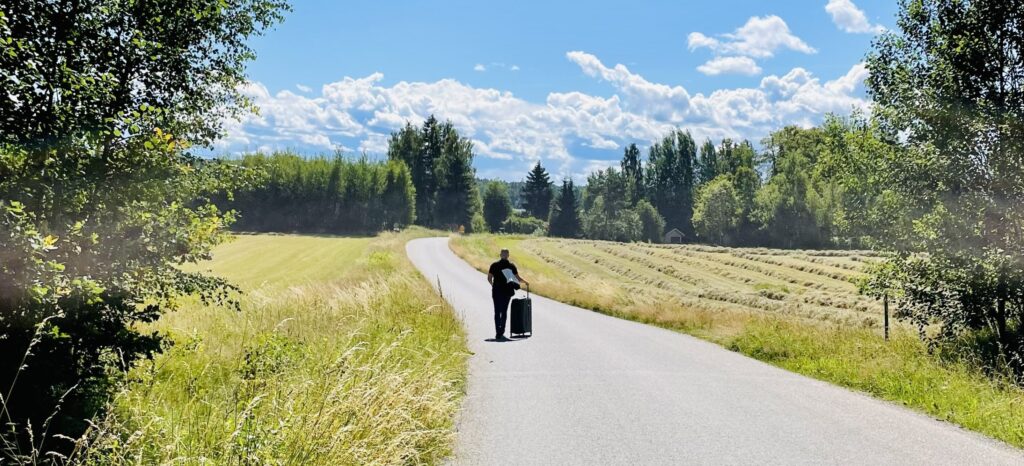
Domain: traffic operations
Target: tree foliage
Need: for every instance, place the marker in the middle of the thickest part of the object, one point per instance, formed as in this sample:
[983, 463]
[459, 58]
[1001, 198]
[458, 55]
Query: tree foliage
[652, 226]
[607, 212]
[670, 179]
[324, 195]
[564, 220]
[497, 205]
[441, 164]
[524, 225]
[718, 210]
[100, 200]
[633, 169]
[950, 83]
[537, 193]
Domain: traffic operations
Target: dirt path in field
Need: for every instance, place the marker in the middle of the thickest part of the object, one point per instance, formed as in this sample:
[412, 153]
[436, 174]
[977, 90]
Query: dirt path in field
[592, 389]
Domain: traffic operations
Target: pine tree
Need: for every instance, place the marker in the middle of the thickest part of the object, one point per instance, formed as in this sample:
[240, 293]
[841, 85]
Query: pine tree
[565, 216]
[537, 192]
[634, 172]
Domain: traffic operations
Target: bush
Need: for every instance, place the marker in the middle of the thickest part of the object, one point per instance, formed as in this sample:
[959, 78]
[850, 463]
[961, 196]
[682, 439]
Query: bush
[521, 224]
[652, 226]
[497, 205]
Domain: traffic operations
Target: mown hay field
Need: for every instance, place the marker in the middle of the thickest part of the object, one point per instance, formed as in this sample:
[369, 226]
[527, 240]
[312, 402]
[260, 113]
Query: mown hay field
[798, 310]
[336, 357]
[652, 279]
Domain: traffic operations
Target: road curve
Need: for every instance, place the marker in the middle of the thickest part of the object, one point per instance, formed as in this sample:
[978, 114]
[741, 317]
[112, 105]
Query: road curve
[592, 389]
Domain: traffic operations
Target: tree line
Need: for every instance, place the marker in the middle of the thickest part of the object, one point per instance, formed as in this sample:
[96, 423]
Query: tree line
[933, 178]
[324, 195]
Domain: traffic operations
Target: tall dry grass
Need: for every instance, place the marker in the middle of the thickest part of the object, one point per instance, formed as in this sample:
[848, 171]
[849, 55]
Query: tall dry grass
[363, 367]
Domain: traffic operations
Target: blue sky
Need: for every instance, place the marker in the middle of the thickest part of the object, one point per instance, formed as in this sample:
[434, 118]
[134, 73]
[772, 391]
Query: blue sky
[560, 82]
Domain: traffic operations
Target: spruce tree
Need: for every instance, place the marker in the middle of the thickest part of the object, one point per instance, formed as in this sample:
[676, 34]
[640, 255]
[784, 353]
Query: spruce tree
[537, 193]
[565, 216]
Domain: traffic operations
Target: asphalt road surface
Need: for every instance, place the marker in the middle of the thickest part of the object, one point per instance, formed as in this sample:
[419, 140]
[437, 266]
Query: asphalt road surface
[592, 389]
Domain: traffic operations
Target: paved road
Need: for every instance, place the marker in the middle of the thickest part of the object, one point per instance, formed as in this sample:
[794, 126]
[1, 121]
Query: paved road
[592, 389]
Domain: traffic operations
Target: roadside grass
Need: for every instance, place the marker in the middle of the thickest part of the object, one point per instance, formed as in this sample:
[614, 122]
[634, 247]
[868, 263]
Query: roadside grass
[794, 309]
[338, 356]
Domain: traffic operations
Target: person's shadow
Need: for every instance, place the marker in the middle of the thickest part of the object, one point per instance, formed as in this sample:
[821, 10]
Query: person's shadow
[508, 340]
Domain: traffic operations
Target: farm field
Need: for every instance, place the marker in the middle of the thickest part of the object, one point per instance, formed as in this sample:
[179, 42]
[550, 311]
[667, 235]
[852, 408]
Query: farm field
[336, 357]
[798, 310]
[653, 281]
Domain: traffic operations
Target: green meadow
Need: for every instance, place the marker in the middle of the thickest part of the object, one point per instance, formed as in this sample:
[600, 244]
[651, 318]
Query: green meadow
[337, 356]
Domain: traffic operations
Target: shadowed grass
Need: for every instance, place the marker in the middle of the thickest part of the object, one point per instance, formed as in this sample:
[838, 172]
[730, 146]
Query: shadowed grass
[337, 357]
[794, 309]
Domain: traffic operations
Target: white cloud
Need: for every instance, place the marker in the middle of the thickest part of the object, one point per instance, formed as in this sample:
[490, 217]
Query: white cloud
[658, 101]
[725, 65]
[495, 65]
[849, 18]
[697, 40]
[303, 88]
[760, 37]
[568, 130]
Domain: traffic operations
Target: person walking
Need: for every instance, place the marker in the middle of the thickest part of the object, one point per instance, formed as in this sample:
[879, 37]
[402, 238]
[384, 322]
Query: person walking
[505, 280]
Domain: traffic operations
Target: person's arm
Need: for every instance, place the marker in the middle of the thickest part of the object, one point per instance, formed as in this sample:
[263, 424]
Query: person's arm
[490, 278]
[521, 279]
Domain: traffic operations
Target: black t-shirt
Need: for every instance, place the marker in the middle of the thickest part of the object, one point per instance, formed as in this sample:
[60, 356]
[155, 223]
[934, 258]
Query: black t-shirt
[500, 283]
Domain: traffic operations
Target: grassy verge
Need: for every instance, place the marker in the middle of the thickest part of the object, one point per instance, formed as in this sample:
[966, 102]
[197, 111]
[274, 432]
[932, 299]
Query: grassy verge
[767, 305]
[337, 357]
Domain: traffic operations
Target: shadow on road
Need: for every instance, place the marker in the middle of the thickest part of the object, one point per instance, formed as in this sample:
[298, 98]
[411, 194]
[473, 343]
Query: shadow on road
[506, 340]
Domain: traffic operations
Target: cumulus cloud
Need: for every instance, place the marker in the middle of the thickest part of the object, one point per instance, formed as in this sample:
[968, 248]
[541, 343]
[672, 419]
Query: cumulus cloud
[727, 65]
[303, 88]
[760, 37]
[568, 130]
[479, 67]
[849, 18]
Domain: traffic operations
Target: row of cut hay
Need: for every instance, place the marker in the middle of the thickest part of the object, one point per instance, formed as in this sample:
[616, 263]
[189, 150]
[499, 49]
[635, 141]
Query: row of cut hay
[709, 284]
[750, 271]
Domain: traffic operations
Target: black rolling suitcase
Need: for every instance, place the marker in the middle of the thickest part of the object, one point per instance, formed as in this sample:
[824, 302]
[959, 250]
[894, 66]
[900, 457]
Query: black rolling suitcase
[522, 315]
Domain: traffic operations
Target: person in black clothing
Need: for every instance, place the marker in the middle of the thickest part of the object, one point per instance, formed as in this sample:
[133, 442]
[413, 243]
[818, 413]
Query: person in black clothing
[504, 279]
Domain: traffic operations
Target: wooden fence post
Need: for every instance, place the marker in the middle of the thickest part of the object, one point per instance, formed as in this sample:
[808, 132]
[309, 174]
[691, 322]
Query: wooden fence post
[885, 306]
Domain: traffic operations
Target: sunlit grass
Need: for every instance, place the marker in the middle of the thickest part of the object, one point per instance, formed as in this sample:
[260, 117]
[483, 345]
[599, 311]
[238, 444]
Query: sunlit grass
[795, 309]
[338, 356]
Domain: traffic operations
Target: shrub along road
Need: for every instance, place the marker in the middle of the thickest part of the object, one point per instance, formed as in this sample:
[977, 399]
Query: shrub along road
[593, 389]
